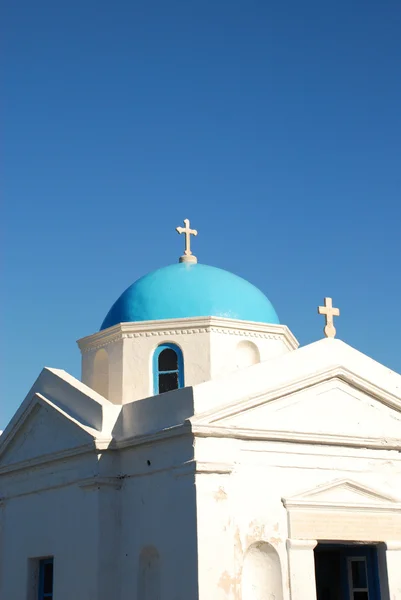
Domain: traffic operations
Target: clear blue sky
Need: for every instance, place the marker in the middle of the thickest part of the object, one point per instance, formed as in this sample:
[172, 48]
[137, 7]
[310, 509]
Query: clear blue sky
[274, 126]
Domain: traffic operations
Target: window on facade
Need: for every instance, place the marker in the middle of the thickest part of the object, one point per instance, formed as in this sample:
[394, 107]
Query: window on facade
[45, 579]
[358, 578]
[168, 369]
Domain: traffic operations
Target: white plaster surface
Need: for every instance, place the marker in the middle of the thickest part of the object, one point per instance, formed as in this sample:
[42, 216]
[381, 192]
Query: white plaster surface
[219, 490]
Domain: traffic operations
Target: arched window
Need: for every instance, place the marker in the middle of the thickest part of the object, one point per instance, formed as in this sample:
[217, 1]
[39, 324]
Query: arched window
[168, 369]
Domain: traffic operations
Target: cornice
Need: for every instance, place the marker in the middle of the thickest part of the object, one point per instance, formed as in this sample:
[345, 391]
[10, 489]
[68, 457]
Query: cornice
[96, 483]
[151, 438]
[309, 506]
[40, 461]
[195, 325]
[212, 468]
[116, 482]
[98, 446]
[295, 437]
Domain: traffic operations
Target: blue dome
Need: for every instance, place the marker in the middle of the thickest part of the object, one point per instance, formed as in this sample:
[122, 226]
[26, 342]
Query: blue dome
[190, 290]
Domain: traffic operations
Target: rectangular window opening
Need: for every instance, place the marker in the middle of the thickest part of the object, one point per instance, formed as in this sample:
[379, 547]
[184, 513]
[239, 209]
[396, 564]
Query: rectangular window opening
[358, 578]
[46, 579]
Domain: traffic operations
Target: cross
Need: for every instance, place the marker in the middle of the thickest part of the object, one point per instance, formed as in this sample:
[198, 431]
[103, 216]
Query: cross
[188, 256]
[329, 312]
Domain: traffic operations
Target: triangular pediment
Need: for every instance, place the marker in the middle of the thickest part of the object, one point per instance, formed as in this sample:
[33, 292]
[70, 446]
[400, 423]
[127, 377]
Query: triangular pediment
[329, 407]
[334, 403]
[42, 430]
[341, 493]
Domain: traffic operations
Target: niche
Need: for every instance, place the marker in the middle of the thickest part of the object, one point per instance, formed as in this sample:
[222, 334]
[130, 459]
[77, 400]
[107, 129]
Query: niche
[261, 574]
[149, 574]
[101, 373]
[246, 354]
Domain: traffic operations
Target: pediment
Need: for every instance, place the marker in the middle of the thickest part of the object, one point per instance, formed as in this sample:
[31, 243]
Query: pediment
[331, 407]
[341, 493]
[43, 430]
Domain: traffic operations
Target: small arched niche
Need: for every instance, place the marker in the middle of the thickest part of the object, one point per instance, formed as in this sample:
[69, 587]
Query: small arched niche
[101, 373]
[261, 574]
[149, 574]
[246, 354]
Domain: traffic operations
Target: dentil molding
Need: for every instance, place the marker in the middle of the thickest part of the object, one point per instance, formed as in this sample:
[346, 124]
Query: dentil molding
[190, 326]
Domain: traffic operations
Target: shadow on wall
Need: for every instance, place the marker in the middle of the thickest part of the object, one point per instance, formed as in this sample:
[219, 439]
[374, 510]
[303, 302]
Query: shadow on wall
[261, 575]
[149, 520]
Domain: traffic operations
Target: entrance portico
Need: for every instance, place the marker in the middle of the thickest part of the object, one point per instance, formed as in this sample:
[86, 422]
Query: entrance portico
[344, 571]
[347, 557]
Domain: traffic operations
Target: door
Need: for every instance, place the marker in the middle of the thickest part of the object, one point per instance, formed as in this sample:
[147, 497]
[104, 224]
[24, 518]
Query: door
[362, 573]
[346, 572]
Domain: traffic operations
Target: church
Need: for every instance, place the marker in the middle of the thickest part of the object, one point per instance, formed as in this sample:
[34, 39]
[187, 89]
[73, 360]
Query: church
[204, 455]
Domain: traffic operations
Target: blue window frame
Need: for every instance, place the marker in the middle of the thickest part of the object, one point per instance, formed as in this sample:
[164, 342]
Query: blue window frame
[168, 368]
[45, 579]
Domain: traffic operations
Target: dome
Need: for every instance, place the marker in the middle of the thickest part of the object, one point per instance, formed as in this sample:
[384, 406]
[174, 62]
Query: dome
[190, 290]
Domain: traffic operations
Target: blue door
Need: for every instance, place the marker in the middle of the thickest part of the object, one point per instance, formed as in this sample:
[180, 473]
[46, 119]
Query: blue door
[346, 572]
[361, 573]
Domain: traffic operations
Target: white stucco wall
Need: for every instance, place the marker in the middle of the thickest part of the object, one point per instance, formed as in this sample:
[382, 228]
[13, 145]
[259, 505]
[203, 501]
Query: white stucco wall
[158, 512]
[212, 532]
[217, 491]
[97, 515]
[61, 521]
[244, 509]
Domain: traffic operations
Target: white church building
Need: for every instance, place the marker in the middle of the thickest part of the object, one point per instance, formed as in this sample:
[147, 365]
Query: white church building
[204, 456]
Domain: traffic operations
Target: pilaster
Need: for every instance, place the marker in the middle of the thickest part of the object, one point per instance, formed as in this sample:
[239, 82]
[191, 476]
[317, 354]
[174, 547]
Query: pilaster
[301, 562]
[393, 560]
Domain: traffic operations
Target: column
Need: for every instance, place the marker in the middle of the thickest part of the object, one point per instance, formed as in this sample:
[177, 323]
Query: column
[393, 560]
[301, 563]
